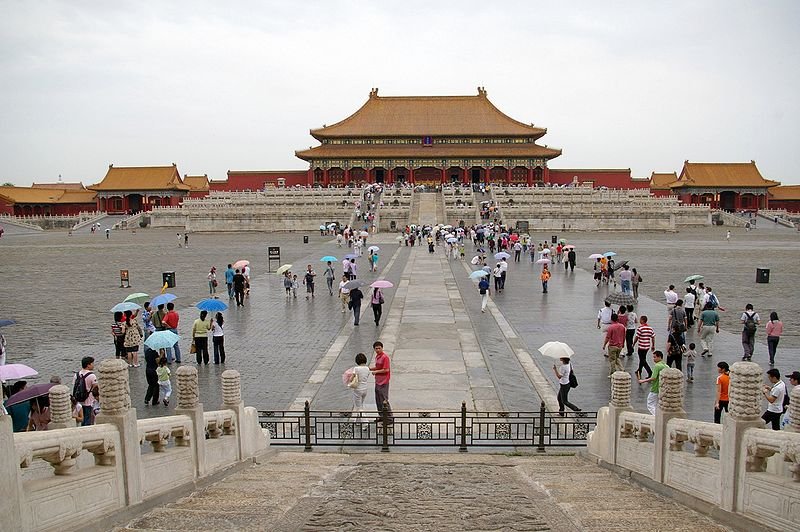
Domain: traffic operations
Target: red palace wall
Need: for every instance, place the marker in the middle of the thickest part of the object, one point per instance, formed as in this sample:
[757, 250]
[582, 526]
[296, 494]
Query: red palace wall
[6, 207]
[600, 178]
[238, 181]
[789, 205]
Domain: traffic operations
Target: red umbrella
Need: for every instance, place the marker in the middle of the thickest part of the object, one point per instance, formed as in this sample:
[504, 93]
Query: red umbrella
[31, 392]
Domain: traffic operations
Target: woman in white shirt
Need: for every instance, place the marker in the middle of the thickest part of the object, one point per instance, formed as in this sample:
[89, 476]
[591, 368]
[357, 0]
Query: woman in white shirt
[562, 374]
[218, 337]
[364, 377]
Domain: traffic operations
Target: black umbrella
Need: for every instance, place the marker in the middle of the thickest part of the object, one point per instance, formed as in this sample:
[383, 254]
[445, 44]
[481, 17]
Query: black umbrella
[620, 298]
[620, 265]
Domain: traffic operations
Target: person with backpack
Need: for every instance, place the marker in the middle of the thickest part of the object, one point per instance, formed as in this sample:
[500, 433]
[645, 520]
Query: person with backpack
[84, 381]
[377, 304]
[677, 323]
[750, 321]
[566, 381]
[483, 290]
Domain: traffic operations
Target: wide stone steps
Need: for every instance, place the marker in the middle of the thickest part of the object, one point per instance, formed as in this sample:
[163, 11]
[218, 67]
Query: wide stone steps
[415, 492]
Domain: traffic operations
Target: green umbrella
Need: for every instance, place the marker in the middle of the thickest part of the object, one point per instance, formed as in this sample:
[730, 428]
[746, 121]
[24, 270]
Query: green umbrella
[693, 278]
[139, 298]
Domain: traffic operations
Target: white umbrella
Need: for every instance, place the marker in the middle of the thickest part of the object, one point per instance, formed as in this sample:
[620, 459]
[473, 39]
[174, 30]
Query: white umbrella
[373, 249]
[556, 350]
[596, 256]
[546, 251]
[363, 233]
[543, 261]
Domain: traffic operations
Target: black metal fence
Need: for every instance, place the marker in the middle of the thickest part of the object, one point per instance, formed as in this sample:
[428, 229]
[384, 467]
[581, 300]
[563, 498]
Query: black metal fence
[462, 429]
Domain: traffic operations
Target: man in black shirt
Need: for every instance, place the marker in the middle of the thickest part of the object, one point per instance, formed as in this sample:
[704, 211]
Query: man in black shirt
[238, 288]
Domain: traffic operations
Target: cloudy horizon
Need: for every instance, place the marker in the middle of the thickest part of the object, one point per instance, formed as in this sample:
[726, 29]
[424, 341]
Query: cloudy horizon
[215, 87]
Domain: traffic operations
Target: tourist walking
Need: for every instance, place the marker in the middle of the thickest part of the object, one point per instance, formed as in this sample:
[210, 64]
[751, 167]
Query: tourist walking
[750, 321]
[212, 282]
[381, 369]
[200, 329]
[652, 397]
[147, 320]
[151, 359]
[708, 326]
[246, 275]
[239, 283]
[630, 329]
[635, 280]
[572, 257]
[544, 277]
[646, 338]
[353, 269]
[690, 355]
[483, 290]
[118, 334]
[723, 381]
[170, 321]
[676, 323]
[330, 276]
[604, 317]
[308, 280]
[229, 273]
[674, 351]
[774, 392]
[344, 293]
[133, 337]
[164, 384]
[614, 340]
[218, 337]
[563, 373]
[503, 273]
[517, 250]
[625, 277]
[355, 304]
[377, 304]
[774, 331]
[497, 274]
[287, 284]
[671, 298]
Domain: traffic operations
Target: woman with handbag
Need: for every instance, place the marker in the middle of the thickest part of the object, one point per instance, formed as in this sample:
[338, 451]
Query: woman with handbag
[359, 383]
[132, 337]
[212, 282]
[200, 330]
[566, 380]
[377, 304]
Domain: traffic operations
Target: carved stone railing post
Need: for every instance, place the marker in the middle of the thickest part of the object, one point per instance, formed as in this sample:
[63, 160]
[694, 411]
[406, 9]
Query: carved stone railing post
[670, 405]
[60, 408]
[189, 405]
[232, 400]
[620, 402]
[794, 410]
[115, 400]
[10, 479]
[745, 410]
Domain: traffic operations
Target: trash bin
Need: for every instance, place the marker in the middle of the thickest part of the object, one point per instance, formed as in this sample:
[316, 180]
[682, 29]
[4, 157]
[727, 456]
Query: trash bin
[554, 239]
[305, 239]
[168, 278]
[762, 275]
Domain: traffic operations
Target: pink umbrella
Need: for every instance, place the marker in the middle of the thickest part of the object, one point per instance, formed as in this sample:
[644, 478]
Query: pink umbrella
[16, 371]
[382, 283]
[239, 264]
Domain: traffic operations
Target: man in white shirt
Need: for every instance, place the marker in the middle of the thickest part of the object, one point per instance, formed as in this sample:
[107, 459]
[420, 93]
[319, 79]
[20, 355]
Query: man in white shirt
[671, 296]
[688, 305]
[604, 317]
[503, 271]
[774, 392]
[750, 320]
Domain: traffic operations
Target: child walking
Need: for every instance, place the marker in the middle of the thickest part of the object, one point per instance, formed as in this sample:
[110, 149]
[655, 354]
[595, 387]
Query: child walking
[164, 384]
[295, 286]
[690, 356]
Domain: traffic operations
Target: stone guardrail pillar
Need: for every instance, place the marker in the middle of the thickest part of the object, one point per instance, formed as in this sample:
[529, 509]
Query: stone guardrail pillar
[189, 405]
[620, 402]
[232, 400]
[744, 413]
[115, 394]
[670, 405]
[60, 408]
[794, 410]
[10, 482]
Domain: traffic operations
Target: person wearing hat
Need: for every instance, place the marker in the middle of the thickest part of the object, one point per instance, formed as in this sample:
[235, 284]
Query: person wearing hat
[794, 380]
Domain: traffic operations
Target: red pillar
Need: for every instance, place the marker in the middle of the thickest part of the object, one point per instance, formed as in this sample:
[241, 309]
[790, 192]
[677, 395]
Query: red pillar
[411, 175]
[546, 174]
[508, 176]
[444, 175]
[310, 177]
[466, 179]
[530, 176]
[347, 176]
[487, 175]
[766, 200]
[391, 176]
[325, 177]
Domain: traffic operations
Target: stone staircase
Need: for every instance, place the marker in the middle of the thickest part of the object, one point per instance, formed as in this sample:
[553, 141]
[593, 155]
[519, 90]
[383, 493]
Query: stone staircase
[428, 208]
[413, 215]
[441, 217]
[416, 492]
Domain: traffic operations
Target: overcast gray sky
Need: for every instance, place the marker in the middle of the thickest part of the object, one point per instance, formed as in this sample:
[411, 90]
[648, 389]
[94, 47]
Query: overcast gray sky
[214, 86]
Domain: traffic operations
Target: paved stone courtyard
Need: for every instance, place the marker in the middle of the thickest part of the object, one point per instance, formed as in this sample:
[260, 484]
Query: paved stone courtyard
[60, 288]
[420, 492]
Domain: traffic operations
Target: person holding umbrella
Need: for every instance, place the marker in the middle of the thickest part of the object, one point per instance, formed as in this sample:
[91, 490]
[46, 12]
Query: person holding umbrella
[377, 304]
[563, 373]
[355, 303]
[330, 275]
[151, 359]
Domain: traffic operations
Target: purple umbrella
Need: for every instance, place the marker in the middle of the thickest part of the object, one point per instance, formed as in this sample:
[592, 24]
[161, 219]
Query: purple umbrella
[31, 392]
[16, 371]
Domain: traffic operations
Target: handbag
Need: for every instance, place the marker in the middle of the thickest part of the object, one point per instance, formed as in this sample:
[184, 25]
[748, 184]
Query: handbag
[193, 348]
[573, 380]
[354, 382]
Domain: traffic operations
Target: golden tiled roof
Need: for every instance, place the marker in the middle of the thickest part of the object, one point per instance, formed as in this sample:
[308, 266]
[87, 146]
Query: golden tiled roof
[418, 151]
[136, 178]
[46, 195]
[196, 182]
[60, 185]
[721, 175]
[416, 116]
[785, 192]
[662, 181]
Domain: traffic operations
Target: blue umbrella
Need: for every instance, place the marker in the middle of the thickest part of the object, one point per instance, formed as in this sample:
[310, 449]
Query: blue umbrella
[125, 305]
[452, 240]
[477, 274]
[328, 258]
[351, 256]
[163, 299]
[212, 305]
[161, 340]
[609, 254]
[4, 323]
